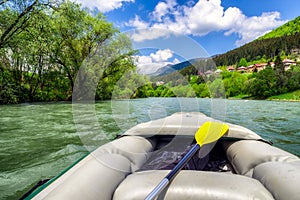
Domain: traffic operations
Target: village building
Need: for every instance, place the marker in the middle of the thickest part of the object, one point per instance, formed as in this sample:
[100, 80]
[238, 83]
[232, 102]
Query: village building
[242, 69]
[260, 66]
[218, 71]
[209, 72]
[288, 63]
[230, 68]
[158, 83]
[250, 68]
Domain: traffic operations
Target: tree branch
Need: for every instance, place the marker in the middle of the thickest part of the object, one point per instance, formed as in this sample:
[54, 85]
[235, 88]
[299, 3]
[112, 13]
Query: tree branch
[17, 24]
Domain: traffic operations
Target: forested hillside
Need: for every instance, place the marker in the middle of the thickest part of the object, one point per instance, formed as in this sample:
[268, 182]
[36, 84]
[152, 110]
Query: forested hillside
[283, 39]
[290, 28]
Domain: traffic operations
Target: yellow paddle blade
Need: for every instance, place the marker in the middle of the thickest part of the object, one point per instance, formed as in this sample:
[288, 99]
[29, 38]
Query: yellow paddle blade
[210, 132]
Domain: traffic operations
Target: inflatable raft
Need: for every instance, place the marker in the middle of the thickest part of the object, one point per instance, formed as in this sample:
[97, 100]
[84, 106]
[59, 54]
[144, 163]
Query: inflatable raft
[240, 165]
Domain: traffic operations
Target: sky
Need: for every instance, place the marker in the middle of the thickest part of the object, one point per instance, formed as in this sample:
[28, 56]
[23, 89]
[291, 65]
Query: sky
[171, 31]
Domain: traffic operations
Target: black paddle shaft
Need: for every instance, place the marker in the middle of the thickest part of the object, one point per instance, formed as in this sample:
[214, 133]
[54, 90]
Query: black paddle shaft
[183, 161]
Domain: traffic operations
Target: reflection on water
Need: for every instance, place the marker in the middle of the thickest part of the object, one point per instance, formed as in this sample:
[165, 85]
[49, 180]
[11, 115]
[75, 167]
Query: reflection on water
[39, 140]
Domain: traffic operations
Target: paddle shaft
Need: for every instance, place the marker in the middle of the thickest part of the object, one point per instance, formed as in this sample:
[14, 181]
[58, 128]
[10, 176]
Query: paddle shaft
[172, 173]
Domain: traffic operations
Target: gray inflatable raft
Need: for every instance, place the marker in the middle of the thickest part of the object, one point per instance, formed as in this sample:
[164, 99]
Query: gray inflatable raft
[241, 165]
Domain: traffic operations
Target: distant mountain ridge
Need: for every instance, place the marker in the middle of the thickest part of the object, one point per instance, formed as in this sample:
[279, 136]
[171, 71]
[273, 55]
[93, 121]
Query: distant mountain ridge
[176, 67]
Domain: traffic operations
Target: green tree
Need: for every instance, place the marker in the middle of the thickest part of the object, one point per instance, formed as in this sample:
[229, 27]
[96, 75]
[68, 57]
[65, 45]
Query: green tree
[75, 34]
[44, 43]
[15, 16]
[281, 78]
[243, 62]
[263, 85]
[7, 91]
[217, 89]
[235, 85]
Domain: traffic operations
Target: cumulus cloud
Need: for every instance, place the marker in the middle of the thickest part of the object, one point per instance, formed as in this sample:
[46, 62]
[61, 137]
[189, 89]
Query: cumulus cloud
[161, 55]
[103, 5]
[151, 63]
[201, 18]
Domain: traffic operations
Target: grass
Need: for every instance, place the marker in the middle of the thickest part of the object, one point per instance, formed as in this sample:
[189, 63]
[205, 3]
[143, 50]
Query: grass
[291, 96]
[241, 96]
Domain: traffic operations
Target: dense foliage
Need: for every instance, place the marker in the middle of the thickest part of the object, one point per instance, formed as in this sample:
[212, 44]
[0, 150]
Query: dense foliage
[259, 85]
[258, 49]
[283, 39]
[43, 44]
[290, 28]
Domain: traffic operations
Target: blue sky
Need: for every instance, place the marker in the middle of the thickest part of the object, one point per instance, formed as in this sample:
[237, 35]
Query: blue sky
[170, 31]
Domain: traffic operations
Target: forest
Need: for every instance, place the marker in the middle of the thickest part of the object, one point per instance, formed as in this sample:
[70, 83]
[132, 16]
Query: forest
[285, 38]
[45, 43]
[267, 48]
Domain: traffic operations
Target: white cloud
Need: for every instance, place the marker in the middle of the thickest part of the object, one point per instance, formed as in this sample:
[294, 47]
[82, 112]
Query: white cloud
[103, 5]
[161, 55]
[253, 27]
[201, 18]
[138, 23]
[163, 8]
[150, 64]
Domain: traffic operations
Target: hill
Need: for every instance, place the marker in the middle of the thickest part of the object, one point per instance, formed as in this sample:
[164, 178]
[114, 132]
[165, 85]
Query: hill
[168, 69]
[290, 28]
[182, 75]
[285, 38]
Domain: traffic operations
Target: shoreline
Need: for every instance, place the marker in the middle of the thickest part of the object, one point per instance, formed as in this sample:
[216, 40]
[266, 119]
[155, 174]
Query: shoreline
[230, 98]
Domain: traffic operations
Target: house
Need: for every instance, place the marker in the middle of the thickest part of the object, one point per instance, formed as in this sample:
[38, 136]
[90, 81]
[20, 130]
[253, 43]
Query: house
[288, 63]
[158, 83]
[218, 71]
[250, 68]
[209, 72]
[260, 66]
[230, 68]
[242, 69]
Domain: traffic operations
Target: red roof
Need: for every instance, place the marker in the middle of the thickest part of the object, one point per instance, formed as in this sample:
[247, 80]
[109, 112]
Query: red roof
[288, 61]
[260, 64]
[242, 68]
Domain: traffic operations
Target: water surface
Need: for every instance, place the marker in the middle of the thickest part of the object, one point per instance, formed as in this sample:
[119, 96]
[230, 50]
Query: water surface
[40, 140]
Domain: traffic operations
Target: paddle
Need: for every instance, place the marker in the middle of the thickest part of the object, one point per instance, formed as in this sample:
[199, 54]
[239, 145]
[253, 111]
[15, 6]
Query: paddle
[209, 132]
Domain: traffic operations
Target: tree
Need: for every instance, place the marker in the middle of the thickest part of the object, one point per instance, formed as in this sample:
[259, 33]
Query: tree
[16, 14]
[263, 85]
[281, 78]
[45, 43]
[243, 62]
[235, 84]
[75, 34]
[217, 89]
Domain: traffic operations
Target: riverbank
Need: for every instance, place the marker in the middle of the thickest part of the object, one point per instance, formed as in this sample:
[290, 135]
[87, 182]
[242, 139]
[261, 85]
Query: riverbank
[290, 96]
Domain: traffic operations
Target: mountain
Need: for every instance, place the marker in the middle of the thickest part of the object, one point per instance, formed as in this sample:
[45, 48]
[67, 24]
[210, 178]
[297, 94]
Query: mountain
[284, 38]
[182, 75]
[172, 68]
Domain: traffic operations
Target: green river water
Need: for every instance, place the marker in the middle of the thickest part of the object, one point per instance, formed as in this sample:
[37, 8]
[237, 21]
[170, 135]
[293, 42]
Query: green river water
[38, 140]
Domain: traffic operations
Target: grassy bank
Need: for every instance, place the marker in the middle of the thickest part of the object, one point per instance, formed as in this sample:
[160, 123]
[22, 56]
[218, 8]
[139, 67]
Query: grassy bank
[291, 96]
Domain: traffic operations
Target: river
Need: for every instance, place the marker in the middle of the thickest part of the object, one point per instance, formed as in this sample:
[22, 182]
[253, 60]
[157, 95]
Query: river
[38, 140]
